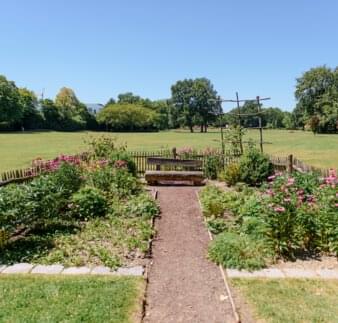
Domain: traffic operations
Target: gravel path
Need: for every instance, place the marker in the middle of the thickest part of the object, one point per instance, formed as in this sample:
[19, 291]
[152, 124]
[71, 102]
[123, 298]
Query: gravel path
[183, 285]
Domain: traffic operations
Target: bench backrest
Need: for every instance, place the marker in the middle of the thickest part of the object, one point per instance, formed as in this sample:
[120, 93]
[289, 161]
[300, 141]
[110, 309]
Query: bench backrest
[159, 161]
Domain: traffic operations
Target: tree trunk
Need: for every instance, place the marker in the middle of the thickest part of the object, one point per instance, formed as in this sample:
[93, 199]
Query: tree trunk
[191, 128]
[202, 130]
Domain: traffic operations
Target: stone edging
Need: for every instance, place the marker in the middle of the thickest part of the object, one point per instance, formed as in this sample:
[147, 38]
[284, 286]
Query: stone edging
[26, 268]
[284, 273]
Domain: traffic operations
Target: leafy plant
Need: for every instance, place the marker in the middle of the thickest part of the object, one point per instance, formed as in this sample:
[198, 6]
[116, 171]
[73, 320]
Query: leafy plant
[255, 167]
[212, 166]
[232, 174]
[88, 202]
[233, 250]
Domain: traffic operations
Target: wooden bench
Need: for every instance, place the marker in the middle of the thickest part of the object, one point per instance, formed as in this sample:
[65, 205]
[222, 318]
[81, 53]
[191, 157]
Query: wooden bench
[189, 170]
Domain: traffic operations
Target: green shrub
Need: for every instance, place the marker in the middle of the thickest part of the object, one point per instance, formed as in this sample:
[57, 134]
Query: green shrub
[233, 250]
[68, 178]
[124, 184]
[88, 202]
[212, 166]
[232, 174]
[122, 159]
[217, 225]
[255, 167]
[141, 205]
[212, 199]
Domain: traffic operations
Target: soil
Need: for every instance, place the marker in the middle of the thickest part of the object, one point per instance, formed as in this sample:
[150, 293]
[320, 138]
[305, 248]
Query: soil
[183, 285]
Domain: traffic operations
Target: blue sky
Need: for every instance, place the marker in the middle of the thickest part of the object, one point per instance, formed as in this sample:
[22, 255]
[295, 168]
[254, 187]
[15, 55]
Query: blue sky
[101, 48]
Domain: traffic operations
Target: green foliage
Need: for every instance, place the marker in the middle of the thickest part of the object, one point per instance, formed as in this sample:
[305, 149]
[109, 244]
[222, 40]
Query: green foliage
[212, 166]
[141, 205]
[124, 183]
[88, 202]
[122, 159]
[317, 96]
[238, 251]
[128, 117]
[232, 174]
[196, 102]
[68, 177]
[10, 109]
[212, 201]
[255, 167]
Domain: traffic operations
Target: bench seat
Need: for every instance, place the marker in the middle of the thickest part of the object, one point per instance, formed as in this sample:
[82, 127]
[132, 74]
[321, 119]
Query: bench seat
[154, 176]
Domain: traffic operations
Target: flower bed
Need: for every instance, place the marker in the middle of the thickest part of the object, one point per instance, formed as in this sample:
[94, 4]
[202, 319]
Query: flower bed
[288, 216]
[78, 212]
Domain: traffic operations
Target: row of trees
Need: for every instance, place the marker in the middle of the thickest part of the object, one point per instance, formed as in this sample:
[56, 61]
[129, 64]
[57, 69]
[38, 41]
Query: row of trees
[193, 102]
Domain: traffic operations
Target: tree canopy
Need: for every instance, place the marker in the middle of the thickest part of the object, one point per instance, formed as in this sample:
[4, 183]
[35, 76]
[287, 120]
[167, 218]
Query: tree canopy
[196, 101]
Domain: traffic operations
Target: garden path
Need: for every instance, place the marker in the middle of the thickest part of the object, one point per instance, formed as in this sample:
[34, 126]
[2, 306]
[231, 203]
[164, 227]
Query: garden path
[183, 285]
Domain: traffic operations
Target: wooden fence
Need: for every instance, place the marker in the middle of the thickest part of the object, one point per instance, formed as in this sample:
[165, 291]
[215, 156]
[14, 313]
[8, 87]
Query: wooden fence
[140, 157]
[288, 163]
[291, 164]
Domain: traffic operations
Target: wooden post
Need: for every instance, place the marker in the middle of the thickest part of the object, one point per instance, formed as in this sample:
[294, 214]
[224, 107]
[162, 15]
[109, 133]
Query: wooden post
[260, 124]
[239, 124]
[174, 152]
[290, 164]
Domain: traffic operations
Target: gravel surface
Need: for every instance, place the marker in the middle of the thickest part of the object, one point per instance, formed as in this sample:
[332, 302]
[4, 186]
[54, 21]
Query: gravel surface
[183, 285]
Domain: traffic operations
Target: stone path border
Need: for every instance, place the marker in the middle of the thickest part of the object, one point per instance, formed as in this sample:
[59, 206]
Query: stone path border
[284, 273]
[26, 268]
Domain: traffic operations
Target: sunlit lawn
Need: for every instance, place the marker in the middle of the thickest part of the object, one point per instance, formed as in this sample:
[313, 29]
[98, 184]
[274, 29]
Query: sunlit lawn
[290, 300]
[18, 149]
[69, 299]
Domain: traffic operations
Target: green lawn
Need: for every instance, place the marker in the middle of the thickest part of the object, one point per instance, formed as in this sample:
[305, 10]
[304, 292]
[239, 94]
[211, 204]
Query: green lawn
[69, 299]
[18, 149]
[291, 300]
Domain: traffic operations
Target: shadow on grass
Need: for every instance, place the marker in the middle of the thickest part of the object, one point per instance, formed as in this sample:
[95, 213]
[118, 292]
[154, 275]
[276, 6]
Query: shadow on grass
[35, 243]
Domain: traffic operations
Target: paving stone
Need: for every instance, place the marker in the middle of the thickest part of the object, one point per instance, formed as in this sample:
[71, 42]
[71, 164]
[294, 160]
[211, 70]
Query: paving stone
[101, 270]
[299, 273]
[76, 271]
[21, 268]
[328, 273]
[273, 273]
[2, 267]
[234, 273]
[49, 270]
[130, 271]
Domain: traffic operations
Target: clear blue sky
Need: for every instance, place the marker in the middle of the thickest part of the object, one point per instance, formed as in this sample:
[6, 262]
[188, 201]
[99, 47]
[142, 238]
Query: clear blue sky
[104, 47]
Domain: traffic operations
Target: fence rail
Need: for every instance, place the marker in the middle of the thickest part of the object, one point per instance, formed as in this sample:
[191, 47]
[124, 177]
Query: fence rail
[290, 164]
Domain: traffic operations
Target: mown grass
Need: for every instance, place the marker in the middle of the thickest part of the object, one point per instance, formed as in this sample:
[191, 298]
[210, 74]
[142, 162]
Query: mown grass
[32, 299]
[291, 300]
[18, 149]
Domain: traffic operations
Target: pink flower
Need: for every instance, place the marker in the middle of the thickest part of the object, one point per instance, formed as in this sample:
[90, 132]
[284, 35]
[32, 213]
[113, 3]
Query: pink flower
[271, 178]
[279, 209]
[287, 200]
[336, 205]
[290, 182]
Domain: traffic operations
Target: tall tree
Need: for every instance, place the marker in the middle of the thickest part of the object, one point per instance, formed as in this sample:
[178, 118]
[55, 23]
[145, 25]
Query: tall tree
[317, 99]
[11, 110]
[31, 118]
[196, 102]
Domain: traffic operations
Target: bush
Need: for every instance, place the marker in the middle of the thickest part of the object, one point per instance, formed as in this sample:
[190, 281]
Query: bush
[212, 166]
[238, 251]
[122, 159]
[124, 184]
[68, 178]
[232, 174]
[88, 202]
[141, 206]
[212, 199]
[255, 167]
